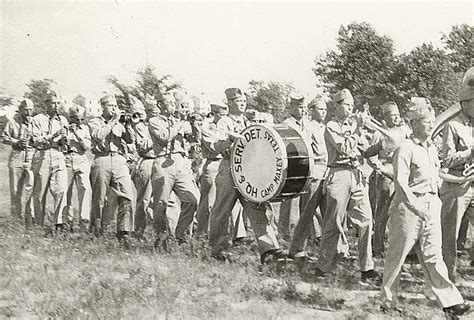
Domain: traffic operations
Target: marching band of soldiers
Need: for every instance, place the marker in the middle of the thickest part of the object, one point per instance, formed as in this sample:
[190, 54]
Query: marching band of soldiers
[161, 160]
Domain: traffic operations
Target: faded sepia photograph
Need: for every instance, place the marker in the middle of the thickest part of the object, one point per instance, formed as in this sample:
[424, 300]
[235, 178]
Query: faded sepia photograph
[188, 159]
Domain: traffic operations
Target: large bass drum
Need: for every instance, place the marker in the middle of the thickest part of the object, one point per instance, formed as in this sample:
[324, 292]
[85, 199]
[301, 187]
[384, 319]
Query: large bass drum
[271, 163]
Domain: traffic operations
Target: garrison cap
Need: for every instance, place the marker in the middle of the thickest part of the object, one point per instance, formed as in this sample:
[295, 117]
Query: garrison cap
[219, 108]
[52, 96]
[160, 96]
[419, 108]
[467, 87]
[296, 97]
[317, 101]
[108, 98]
[343, 94]
[389, 106]
[26, 103]
[233, 93]
[77, 110]
[150, 102]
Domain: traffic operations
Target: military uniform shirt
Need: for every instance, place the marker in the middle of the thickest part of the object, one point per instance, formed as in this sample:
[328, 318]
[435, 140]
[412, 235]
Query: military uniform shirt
[108, 136]
[229, 123]
[166, 139]
[16, 129]
[342, 143]
[79, 142]
[209, 136]
[44, 127]
[417, 163]
[143, 142]
[458, 137]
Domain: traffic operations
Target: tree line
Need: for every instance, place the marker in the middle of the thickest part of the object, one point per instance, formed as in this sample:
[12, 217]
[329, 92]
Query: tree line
[363, 61]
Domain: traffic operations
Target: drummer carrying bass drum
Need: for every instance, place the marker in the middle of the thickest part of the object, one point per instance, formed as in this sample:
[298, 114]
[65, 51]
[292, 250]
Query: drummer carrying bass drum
[227, 194]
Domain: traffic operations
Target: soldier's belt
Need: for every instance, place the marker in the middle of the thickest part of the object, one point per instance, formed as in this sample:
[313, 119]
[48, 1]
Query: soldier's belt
[19, 148]
[105, 154]
[49, 148]
[424, 194]
[147, 157]
[170, 154]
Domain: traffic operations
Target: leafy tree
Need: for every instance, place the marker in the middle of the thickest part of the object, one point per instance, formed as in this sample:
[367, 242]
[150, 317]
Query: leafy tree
[459, 43]
[427, 72]
[147, 84]
[261, 95]
[363, 63]
[38, 91]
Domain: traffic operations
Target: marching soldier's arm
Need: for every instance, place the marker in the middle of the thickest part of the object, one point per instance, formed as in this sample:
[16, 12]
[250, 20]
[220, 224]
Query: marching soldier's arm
[373, 151]
[162, 131]
[452, 157]
[224, 143]
[344, 144]
[128, 134]
[38, 136]
[8, 135]
[401, 166]
[401, 163]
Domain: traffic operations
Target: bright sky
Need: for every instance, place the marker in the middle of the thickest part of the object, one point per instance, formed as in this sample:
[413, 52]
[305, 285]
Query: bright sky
[207, 46]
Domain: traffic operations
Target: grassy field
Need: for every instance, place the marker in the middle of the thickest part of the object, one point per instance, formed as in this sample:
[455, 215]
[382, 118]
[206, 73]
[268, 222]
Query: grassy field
[79, 276]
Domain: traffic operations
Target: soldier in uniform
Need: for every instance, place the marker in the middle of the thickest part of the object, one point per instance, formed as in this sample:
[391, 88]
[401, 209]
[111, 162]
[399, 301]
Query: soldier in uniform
[346, 187]
[48, 164]
[227, 194]
[458, 151]
[414, 218]
[299, 121]
[110, 137]
[143, 169]
[78, 167]
[171, 171]
[18, 133]
[314, 198]
[381, 161]
[209, 170]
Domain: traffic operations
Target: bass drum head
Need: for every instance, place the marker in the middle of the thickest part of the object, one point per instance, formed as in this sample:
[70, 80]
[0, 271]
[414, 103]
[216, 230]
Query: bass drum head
[258, 163]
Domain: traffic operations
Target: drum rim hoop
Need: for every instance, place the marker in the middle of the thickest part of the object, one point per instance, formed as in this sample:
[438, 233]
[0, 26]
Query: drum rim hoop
[284, 159]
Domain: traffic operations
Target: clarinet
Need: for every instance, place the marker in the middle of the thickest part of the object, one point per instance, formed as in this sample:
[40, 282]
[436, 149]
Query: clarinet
[27, 134]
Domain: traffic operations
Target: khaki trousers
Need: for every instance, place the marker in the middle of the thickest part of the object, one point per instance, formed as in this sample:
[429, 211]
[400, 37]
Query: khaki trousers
[208, 195]
[173, 173]
[457, 200]
[111, 172]
[384, 193]
[78, 170]
[408, 231]
[346, 197]
[21, 183]
[143, 185]
[50, 174]
[226, 197]
[312, 200]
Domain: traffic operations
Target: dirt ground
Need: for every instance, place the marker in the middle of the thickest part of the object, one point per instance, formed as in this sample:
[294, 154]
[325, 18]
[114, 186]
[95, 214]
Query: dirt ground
[80, 276]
